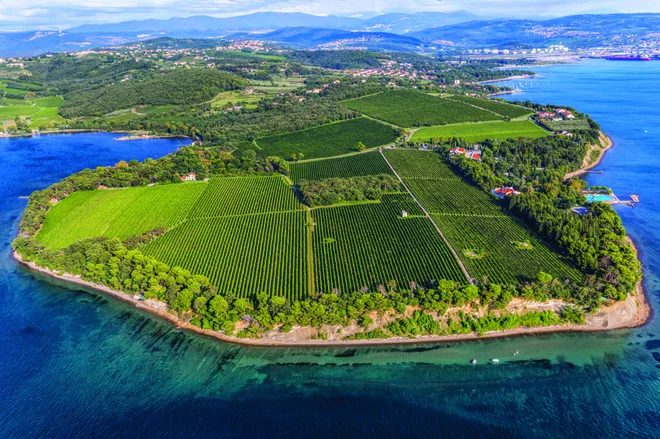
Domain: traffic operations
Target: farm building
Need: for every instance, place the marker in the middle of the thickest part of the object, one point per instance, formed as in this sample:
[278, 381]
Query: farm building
[190, 177]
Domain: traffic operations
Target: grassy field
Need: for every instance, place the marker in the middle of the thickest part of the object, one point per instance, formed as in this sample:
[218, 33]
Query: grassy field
[356, 165]
[235, 97]
[501, 108]
[242, 254]
[120, 213]
[408, 108]
[329, 140]
[42, 112]
[478, 132]
[490, 242]
[371, 244]
[568, 125]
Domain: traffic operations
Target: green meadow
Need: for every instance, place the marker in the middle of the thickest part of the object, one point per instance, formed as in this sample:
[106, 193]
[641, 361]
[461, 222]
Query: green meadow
[478, 132]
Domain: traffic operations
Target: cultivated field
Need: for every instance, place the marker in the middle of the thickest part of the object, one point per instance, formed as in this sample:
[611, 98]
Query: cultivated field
[371, 244]
[502, 108]
[408, 108]
[120, 213]
[251, 234]
[329, 140]
[356, 165]
[489, 241]
[243, 255]
[478, 132]
[245, 195]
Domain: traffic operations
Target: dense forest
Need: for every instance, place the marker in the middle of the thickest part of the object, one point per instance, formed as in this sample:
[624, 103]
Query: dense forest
[341, 190]
[338, 59]
[179, 87]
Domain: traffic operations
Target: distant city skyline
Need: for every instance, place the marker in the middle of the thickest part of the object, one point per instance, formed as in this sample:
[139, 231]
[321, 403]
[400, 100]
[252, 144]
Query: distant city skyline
[63, 14]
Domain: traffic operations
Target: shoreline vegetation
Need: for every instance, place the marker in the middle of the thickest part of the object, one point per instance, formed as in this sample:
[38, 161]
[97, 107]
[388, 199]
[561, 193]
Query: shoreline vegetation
[630, 313]
[606, 143]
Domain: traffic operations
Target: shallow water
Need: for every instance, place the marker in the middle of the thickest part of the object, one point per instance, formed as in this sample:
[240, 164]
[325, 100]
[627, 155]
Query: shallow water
[75, 364]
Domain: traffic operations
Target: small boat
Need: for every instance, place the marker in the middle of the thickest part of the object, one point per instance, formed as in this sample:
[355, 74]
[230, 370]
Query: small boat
[494, 360]
[516, 353]
[473, 361]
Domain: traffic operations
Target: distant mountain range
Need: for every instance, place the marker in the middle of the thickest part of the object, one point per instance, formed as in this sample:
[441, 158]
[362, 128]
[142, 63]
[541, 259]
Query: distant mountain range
[403, 32]
[392, 23]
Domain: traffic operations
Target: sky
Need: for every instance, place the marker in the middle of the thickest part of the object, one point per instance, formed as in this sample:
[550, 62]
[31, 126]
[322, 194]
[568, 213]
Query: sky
[62, 14]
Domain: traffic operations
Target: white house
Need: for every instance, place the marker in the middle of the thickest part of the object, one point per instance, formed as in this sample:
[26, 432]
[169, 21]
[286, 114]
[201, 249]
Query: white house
[190, 177]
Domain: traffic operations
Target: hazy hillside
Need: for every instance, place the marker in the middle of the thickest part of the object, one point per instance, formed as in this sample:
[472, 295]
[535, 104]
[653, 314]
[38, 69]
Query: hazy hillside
[582, 30]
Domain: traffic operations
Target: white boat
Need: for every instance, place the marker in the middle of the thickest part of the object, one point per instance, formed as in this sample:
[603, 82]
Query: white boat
[516, 353]
[473, 361]
[494, 360]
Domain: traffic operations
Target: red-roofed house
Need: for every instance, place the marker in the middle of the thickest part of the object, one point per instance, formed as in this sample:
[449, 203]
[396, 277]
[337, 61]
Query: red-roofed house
[504, 191]
[190, 177]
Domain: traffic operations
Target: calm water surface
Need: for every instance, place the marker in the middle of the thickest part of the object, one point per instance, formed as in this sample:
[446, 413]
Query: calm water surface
[75, 364]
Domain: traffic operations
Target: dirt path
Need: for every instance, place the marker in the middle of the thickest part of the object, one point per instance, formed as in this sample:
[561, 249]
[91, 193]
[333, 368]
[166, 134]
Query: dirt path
[444, 238]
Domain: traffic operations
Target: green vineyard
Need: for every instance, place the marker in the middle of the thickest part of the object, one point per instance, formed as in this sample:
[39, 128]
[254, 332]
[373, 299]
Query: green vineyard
[253, 234]
[329, 140]
[408, 108]
[356, 165]
[502, 249]
[489, 241]
[502, 108]
[371, 244]
[120, 213]
[242, 255]
[245, 195]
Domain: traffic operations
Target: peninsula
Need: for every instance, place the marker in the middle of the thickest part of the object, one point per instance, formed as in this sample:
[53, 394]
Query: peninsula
[349, 209]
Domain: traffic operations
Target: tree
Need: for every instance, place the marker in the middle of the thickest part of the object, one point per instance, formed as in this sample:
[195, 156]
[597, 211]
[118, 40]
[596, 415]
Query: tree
[360, 147]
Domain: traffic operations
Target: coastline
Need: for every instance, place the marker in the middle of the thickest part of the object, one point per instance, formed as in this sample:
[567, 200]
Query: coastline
[606, 144]
[127, 135]
[510, 78]
[630, 313]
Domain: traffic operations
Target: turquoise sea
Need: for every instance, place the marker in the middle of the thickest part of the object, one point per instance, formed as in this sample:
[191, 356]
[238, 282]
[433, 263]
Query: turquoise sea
[77, 364]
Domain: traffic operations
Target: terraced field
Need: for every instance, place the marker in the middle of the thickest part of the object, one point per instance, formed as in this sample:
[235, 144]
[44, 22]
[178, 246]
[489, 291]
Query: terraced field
[357, 165]
[120, 213]
[502, 108]
[490, 242]
[478, 132]
[329, 140]
[242, 254]
[371, 244]
[407, 108]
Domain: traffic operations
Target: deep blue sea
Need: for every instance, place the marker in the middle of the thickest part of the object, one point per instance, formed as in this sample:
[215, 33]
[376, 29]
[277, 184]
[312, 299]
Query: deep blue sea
[76, 364]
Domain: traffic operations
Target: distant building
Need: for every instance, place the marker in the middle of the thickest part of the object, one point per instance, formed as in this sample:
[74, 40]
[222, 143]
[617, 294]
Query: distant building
[190, 177]
[404, 214]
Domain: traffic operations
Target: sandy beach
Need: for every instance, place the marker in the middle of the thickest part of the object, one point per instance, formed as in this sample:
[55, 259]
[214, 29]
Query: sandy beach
[631, 313]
